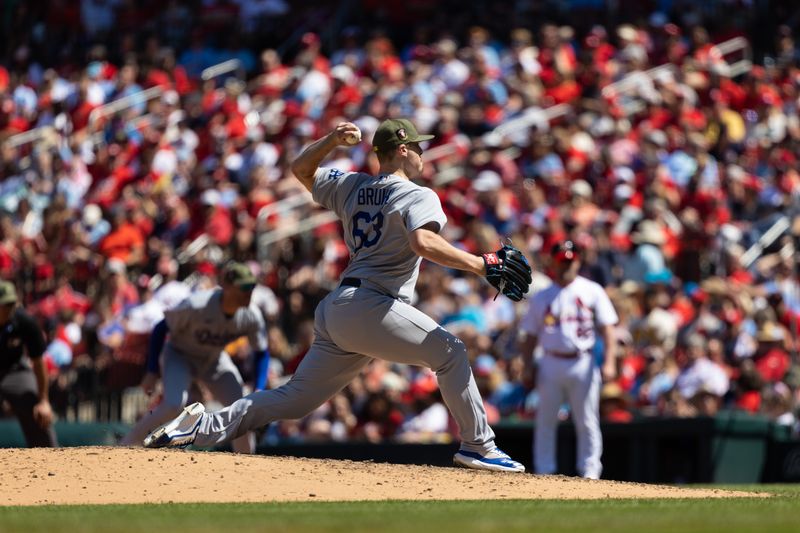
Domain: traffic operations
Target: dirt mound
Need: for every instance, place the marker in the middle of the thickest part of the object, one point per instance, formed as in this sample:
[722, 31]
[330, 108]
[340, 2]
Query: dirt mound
[134, 475]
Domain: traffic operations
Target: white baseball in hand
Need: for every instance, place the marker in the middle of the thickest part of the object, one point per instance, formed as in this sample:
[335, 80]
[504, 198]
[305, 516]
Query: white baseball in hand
[353, 137]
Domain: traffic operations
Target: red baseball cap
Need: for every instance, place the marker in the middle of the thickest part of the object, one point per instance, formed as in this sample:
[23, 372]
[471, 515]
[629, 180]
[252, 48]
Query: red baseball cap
[206, 268]
[566, 251]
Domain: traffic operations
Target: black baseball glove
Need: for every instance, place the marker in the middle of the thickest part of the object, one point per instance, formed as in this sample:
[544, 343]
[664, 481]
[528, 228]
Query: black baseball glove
[508, 271]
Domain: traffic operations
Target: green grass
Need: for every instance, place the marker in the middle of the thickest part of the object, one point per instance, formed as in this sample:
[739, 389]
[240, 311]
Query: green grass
[776, 514]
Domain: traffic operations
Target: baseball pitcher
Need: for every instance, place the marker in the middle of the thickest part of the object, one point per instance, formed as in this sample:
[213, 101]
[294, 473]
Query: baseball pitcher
[389, 224]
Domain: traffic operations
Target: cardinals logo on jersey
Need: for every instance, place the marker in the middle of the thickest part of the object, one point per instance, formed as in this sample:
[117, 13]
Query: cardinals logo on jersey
[550, 319]
[585, 319]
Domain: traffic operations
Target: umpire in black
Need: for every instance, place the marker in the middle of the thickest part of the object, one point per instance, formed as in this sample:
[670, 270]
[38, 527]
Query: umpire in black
[22, 383]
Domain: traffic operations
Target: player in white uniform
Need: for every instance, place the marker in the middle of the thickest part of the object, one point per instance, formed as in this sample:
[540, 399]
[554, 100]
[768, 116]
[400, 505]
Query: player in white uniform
[389, 224]
[562, 320]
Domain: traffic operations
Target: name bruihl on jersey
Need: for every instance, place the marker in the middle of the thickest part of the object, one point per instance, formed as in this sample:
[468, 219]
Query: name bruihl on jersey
[370, 196]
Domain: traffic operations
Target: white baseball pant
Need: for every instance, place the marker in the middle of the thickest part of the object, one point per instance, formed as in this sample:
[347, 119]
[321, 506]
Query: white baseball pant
[579, 380]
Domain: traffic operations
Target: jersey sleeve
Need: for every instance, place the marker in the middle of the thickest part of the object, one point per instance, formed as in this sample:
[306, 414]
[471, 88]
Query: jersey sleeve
[266, 302]
[33, 338]
[258, 331]
[332, 187]
[179, 316]
[530, 323]
[605, 313]
[424, 207]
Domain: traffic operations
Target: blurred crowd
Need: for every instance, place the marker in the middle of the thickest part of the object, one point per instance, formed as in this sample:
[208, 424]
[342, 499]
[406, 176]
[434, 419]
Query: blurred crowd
[680, 184]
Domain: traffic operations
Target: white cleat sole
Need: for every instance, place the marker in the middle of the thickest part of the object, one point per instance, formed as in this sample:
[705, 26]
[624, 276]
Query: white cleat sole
[160, 438]
[465, 461]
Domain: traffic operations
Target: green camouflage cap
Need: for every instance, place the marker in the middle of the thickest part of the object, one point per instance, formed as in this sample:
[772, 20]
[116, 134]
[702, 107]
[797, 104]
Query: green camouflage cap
[394, 132]
[240, 275]
[8, 293]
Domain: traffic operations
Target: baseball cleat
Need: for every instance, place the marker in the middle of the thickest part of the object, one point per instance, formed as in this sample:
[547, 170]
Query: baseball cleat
[496, 460]
[179, 432]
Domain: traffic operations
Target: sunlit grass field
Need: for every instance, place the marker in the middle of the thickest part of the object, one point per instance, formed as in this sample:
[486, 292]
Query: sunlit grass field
[780, 512]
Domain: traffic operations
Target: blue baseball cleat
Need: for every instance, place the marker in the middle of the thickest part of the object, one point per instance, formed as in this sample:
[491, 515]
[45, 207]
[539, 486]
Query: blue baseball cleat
[179, 432]
[495, 460]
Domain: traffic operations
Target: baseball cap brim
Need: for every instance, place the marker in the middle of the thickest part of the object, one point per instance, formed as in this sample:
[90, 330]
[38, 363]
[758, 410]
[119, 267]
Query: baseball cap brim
[8, 293]
[392, 145]
[8, 299]
[565, 256]
[240, 276]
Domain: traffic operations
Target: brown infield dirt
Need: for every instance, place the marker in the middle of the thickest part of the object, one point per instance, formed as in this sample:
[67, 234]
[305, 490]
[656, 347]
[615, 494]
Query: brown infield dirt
[102, 475]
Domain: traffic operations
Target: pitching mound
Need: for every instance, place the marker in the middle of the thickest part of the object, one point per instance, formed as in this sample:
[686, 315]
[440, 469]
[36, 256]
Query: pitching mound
[134, 475]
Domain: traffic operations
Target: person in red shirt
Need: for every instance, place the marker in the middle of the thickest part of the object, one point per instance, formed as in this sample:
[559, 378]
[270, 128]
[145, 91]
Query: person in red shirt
[311, 53]
[346, 93]
[614, 404]
[63, 299]
[117, 293]
[380, 420]
[564, 89]
[80, 114]
[167, 74]
[217, 223]
[275, 75]
[125, 241]
[771, 360]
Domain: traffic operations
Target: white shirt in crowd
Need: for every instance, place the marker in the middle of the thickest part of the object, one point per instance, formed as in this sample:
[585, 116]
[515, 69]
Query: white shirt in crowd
[434, 419]
[703, 374]
[564, 318]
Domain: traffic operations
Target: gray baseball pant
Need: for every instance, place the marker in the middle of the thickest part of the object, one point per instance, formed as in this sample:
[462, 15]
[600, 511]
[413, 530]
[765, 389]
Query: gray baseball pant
[221, 377]
[352, 327]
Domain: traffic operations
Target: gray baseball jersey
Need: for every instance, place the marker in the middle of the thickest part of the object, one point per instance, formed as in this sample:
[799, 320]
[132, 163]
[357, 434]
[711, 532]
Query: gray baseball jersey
[200, 330]
[378, 213]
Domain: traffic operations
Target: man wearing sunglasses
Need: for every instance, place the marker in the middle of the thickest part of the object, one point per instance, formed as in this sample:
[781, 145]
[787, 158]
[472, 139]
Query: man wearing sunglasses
[23, 381]
[562, 319]
[196, 332]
